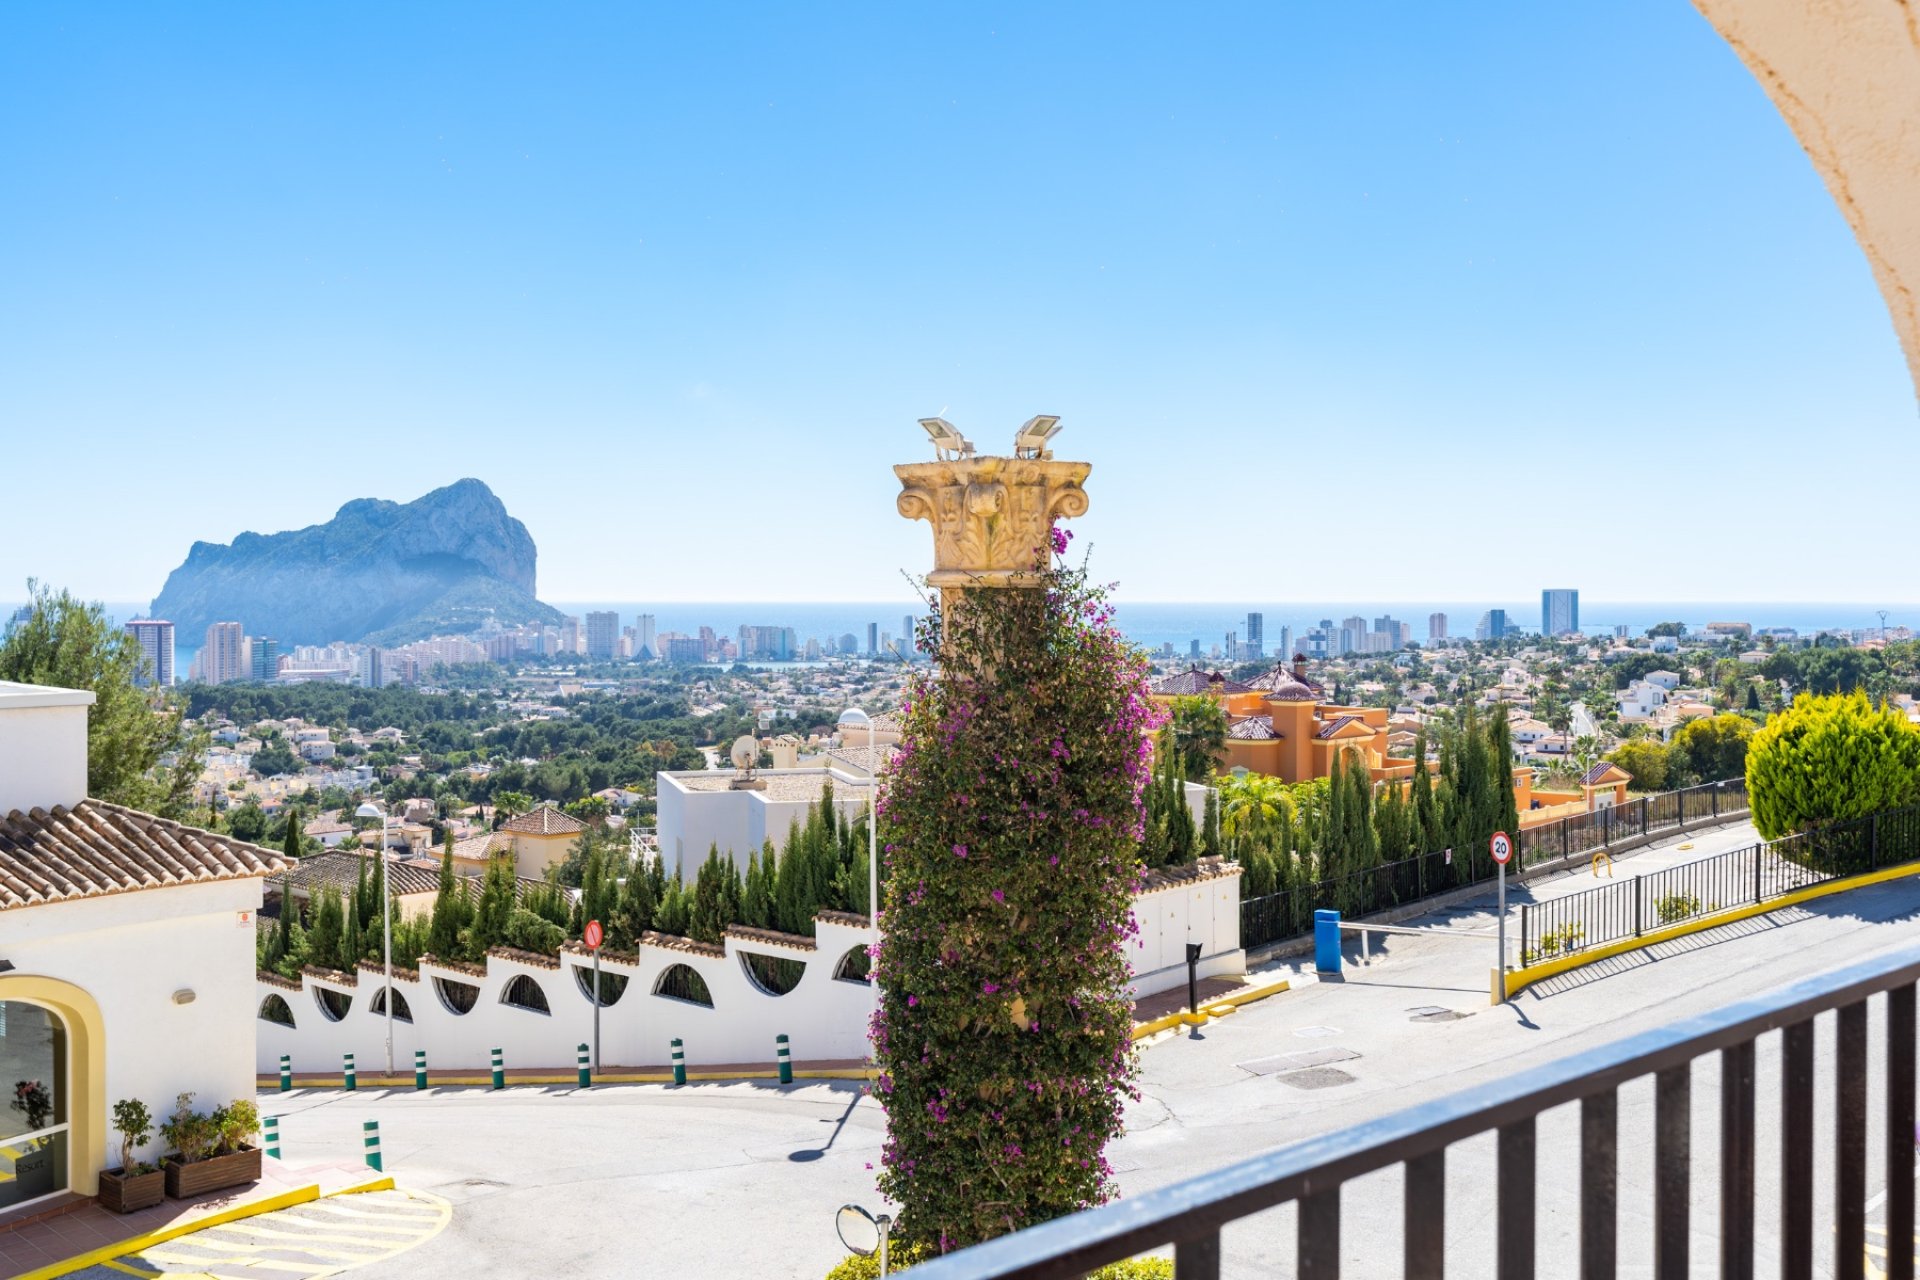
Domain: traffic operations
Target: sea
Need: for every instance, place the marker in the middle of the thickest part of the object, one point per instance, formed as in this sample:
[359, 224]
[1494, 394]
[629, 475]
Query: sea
[1153, 624]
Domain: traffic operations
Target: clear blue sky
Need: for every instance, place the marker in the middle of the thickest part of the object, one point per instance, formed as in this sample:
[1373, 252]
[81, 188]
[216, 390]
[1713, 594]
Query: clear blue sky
[1458, 305]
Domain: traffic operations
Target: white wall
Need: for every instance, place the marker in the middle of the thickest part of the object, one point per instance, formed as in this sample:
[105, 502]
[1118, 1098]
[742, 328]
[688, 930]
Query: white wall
[43, 747]
[131, 952]
[739, 822]
[824, 1017]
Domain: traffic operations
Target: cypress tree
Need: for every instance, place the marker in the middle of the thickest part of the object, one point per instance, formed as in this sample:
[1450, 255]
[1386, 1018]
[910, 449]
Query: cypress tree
[329, 924]
[1426, 817]
[1211, 845]
[495, 909]
[291, 844]
[451, 910]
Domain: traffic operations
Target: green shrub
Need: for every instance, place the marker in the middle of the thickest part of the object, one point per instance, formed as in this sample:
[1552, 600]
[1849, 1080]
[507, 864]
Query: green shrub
[1826, 759]
[859, 1268]
[134, 1123]
[1566, 938]
[191, 1135]
[1676, 907]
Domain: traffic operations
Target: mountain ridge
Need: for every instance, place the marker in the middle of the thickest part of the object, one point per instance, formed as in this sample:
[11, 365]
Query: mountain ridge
[380, 571]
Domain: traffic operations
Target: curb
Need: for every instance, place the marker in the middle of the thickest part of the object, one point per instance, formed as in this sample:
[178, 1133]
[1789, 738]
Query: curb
[271, 1083]
[1518, 980]
[1212, 1009]
[285, 1200]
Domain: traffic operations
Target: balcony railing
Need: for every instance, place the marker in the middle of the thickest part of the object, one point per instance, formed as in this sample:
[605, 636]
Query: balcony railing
[1190, 1215]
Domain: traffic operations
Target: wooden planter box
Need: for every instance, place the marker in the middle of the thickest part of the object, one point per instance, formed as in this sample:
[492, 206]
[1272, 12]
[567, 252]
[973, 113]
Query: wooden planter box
[187, 1180]
[124, 1195]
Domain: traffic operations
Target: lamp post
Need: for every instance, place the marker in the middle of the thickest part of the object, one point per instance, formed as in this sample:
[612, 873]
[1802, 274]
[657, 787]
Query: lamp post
[855, 716]
[372, 810]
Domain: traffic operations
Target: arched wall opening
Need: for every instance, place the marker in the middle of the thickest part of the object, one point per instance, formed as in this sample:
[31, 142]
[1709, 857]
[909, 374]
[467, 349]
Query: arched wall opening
[85, 1069]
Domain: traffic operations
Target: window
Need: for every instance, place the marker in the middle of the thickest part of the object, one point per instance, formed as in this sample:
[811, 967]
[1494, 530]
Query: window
[456, 997]
[274, 1009]
[334, 1004]
[679, 982]
[772, 975]
[33, 1126]
[524, 993]
[854, 966]
[612, 985]
[378, 1005]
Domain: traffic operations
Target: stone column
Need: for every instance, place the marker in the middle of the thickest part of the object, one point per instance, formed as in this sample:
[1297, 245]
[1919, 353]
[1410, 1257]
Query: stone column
[991, 516]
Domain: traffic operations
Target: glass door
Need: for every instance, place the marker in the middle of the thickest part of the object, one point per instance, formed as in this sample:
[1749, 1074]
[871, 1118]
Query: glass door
[33, 1123]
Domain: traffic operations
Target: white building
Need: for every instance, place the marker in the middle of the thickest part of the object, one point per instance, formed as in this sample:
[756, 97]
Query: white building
[107, 993]
[155, 638]
[703, 809]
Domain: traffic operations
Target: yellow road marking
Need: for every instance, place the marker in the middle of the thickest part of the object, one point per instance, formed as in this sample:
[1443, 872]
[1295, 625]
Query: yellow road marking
[397, 1213]
[300, 1268]
[271, 1234]
[255, 1246]
[132, 1271]
[332, 1224]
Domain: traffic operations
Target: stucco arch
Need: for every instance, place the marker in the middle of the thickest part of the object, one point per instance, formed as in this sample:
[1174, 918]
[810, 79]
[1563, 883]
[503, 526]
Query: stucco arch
[86, 1068]
[1845, 75]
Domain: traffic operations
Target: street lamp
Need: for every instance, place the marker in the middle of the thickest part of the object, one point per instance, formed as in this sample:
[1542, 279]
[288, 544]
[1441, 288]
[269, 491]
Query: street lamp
[372, 810]
[855, 716]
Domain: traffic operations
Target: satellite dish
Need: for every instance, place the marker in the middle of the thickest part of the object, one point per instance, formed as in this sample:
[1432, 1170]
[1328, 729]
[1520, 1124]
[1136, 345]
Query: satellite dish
[746, 749]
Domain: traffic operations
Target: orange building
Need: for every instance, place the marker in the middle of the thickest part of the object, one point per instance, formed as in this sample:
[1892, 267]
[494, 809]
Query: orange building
[1277, 724]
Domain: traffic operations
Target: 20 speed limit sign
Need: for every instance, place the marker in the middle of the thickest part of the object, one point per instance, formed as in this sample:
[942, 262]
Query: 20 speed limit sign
[1501, 847]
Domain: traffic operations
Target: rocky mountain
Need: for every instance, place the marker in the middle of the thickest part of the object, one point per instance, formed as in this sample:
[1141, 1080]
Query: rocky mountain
[382, 571]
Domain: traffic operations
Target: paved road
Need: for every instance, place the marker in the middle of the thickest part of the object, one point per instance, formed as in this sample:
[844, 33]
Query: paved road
[743, 1179]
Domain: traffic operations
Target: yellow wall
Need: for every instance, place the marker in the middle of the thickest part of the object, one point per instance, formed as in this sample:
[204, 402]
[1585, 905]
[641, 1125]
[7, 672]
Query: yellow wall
[86, 1070]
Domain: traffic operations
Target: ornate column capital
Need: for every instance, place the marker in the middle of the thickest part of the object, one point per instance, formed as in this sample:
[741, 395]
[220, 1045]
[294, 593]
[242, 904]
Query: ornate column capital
[991, 516]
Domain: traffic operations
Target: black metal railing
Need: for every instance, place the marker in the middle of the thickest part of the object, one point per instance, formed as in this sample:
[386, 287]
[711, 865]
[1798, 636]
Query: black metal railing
[1190, 1215]
[1631, 908]
[1276, 917]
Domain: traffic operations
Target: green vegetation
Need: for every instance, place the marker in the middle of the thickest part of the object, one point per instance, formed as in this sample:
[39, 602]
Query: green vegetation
[1712, 749]
[902, 1257]
[1826, 759]
[140, 753]
[1676, 907]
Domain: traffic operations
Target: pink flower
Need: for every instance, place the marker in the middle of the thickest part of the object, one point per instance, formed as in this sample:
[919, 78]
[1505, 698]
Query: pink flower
[1000, 895]
[959, 851]
[989, 988]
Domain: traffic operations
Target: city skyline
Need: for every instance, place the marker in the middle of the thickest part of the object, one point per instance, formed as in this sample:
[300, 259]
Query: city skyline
[1437, 260]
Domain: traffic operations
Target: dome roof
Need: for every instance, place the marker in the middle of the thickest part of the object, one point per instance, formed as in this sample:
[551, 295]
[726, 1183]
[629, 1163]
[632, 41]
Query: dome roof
[1288, 689]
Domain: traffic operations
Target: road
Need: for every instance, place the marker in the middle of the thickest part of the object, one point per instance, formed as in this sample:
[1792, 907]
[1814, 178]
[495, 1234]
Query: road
[743, 1179]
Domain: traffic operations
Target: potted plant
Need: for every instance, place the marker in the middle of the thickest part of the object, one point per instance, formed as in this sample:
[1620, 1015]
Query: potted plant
[210, 1151]
[133, 1185]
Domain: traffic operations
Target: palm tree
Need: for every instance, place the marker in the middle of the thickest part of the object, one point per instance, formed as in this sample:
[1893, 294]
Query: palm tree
[1252, 802]
[1586, 752]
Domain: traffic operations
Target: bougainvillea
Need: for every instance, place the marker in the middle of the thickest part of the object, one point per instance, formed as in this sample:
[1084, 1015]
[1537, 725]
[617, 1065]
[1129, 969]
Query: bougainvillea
[1011, 820]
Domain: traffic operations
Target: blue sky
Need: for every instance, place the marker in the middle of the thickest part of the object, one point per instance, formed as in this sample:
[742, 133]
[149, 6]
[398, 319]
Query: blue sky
[1342, 302]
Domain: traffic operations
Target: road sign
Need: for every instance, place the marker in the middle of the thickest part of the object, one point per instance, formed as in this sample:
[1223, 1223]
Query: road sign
[595, 935]
[1501, 846]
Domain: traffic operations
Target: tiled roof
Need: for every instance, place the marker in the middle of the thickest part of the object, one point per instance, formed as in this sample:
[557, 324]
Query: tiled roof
[862, 758]
[342, 871]
[458, 966]
[670, 942]
[275, 980]
[1254, 729]
[1599, 771]
[771, 937]
[1188, 873]
[1283, 684]
[334, 976]
[544, 821]
[1194, 681]
[1333, 727]
[96, 848]
[855, 918]
[538, 959]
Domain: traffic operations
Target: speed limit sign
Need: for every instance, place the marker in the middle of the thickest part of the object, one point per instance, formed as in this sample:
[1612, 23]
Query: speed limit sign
[1501, 847]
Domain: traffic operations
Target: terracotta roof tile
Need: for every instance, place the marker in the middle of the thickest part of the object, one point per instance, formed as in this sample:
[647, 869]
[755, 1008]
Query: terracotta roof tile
[275, 980]
[1194, 681]
[669, 942]
[1254, 729]
[342, 871]
[457, 966]
[96, 848]
[332, 975]
[857, 919]
[544, 821]
[1335, 725]
[536, 958]
[379, 971]
[771, 937]
[1188, 873]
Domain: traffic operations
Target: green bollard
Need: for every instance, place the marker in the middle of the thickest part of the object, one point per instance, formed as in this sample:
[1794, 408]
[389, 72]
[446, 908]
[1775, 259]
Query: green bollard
[679, 1063]
[419, 1068]
[499, 1071]
[286, 1072]
[270, 1133]
[348, 1082]
[586, 1074]
[785, 1055]
[370, 1139]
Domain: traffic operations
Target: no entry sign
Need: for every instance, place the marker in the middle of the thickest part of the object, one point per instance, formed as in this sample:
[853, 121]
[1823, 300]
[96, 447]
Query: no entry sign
[595, 934]
[1501, 847]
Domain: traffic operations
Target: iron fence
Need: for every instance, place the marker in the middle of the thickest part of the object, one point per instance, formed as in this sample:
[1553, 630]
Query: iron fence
[1629, 908]
[1289, 914]
[1190, 1215]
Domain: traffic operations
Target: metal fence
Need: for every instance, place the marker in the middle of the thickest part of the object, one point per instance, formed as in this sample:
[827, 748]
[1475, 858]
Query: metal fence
[1289, 913]
[1190, 1215]
[1629, 908]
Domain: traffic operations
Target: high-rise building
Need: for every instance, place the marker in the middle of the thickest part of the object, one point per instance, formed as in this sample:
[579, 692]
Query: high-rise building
[686, 649]
[1436, 626]
[873, 639]
[1233, 646]
[223, 655]
[155, 638]
[603, 629]
[645, 640]
[1254, 648]
[371, 668]
[263, 657]
[1559, 611]
[847, 643]
[1193, 648]
[1285, 652]
[1493, 625]
[908, 646]
[1621, 631]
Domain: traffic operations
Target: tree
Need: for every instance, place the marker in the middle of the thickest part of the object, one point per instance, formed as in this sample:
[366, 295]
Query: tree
[1586, 753]
[1709, 749]
[140, 750]
[1427, 835]
[508, 805]
[1198, 729]
[452, 911]
[1252, 803]
[1645, 760]
[1667, 629]
[494, 910]
[1825, 759]
[326, 938]
[716, 898]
